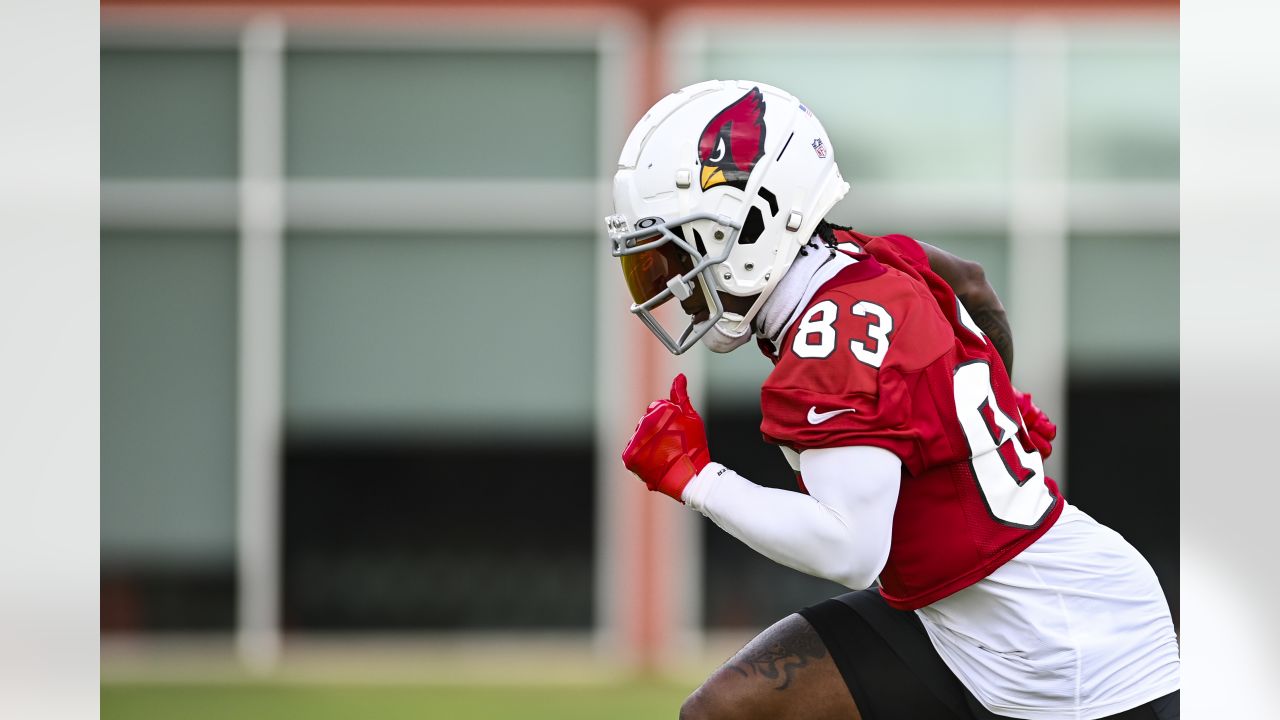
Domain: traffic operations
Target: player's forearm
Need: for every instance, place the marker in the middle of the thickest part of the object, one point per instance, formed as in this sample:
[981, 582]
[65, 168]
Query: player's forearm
[993, 321]
[969, 281]
[843, 537]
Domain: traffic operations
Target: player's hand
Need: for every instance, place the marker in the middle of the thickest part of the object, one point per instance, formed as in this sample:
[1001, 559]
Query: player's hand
[669, 445]
[1039, 426]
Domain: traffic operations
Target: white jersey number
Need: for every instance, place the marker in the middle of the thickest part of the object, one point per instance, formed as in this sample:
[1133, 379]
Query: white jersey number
[878, 331]
[816, 336]
[1010, 478]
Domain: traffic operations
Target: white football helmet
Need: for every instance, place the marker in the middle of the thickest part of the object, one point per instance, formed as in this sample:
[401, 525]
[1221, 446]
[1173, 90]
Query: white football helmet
[718, 187]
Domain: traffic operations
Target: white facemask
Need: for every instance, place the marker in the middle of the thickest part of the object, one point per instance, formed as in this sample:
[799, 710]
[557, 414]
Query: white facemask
[719, 340]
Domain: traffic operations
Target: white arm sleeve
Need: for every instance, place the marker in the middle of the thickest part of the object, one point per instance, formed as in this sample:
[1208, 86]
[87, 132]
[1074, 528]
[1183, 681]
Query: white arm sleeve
[839, 531]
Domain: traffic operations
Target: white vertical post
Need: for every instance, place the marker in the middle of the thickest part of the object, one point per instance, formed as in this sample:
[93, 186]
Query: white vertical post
[1038, 223]
[613, 363]
[260, 408]
[648, 549]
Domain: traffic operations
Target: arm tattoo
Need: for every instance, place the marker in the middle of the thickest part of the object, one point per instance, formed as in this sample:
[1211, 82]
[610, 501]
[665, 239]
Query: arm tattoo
[996, 325]
[780, 660]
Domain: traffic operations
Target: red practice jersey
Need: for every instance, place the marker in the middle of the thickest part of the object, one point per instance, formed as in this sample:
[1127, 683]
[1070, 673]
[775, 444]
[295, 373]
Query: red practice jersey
[885, 355]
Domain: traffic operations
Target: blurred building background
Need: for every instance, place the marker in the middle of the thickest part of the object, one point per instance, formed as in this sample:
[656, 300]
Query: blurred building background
[367, 365]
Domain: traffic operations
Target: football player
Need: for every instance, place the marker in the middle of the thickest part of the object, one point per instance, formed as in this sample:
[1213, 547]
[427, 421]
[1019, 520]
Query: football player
[918, 466]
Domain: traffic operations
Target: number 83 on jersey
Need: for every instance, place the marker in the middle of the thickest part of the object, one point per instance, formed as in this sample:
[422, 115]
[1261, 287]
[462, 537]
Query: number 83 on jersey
[816, 336]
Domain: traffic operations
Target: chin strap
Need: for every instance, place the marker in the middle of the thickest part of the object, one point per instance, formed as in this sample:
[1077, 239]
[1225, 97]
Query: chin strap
[719, 341]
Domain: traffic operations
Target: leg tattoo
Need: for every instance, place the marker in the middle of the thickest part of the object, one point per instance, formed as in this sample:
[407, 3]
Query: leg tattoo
[781, 660]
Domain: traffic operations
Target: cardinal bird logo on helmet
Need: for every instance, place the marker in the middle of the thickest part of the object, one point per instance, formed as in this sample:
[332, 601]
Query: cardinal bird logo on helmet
[733, 142]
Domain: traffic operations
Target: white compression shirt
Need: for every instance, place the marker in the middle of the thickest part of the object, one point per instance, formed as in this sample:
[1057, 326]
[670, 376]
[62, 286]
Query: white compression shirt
[848, 521]
[1075, 626]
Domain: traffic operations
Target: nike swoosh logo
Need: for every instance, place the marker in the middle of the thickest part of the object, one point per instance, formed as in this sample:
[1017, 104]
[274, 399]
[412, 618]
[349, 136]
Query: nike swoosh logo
[816, 417]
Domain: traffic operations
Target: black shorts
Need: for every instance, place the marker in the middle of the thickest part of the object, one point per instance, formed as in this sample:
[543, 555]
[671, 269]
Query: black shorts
[893, 671]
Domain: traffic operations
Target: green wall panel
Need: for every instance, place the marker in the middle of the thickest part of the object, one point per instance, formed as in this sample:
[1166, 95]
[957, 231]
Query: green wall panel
[168, 397]
[442, 334]
[1123, 111]
[1123, 304]
[169, 113]
[897, 110]
[441, 113]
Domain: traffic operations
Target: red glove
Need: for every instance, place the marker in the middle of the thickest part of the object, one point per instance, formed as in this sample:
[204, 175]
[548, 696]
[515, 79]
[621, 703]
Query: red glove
[1039, 426]
[669, 445]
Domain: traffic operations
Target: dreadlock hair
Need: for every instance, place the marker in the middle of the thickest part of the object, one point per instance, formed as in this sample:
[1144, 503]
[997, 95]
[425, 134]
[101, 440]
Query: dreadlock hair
[827, 231]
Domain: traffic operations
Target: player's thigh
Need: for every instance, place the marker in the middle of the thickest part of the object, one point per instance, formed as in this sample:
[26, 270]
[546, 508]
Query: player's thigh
[785, 672]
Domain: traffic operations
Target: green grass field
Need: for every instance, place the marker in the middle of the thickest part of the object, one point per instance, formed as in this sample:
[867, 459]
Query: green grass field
[271, 701]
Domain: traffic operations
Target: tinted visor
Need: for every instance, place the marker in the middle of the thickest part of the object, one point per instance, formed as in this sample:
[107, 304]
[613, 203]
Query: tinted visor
[647, 274]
